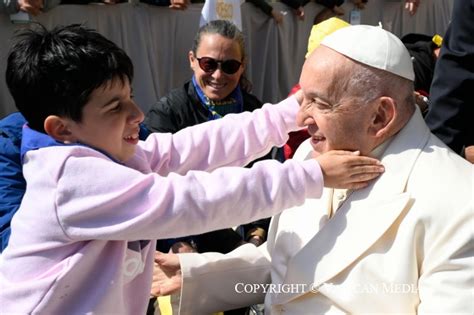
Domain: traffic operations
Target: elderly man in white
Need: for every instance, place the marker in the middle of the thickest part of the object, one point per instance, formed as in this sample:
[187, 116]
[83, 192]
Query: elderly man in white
[402, 245]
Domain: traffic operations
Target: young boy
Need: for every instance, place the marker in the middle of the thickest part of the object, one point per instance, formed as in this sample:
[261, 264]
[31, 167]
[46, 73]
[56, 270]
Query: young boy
[96, 196]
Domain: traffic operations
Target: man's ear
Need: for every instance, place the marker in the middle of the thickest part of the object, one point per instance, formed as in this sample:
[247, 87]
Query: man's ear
[383, 118]
[58, 129]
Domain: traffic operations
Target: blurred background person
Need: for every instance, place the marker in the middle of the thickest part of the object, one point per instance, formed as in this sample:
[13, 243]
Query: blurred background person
[452, 110]
[33, 7]
[230, 10]
[332, 8]
[424, 51]
[172, 4]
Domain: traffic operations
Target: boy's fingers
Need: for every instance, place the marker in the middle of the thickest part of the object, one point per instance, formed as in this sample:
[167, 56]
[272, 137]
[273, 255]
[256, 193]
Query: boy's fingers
[354, 157]
[364, 177]
[343, 152]
[363, 160]
[375, 169]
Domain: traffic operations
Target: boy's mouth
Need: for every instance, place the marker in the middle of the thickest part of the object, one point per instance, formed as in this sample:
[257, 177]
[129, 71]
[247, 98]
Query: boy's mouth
[132, 139]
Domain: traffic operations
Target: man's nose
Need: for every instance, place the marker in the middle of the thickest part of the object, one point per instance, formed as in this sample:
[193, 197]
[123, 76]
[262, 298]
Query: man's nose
[303, 119]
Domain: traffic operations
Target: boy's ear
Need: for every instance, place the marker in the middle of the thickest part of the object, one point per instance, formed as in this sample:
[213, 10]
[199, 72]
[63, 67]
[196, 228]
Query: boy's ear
[383, 118]
[58, 129]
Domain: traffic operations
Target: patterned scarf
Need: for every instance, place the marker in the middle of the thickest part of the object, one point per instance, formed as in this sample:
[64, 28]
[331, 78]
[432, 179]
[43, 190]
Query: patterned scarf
[231, 104]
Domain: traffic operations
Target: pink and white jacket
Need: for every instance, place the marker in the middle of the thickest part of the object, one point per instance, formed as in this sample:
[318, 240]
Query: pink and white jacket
[77, 243]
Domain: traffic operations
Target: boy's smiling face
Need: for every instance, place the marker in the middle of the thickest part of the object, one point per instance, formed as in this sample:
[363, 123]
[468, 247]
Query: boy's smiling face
[110, 120]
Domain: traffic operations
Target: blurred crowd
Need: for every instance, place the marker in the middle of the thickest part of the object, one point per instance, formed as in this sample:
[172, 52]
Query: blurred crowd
[332, 7]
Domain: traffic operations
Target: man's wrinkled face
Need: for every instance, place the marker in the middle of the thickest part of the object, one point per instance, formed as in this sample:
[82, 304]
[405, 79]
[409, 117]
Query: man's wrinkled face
[328, 110]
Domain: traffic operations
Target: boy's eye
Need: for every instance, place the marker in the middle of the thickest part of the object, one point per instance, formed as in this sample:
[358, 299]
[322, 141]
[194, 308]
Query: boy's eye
[116, 108]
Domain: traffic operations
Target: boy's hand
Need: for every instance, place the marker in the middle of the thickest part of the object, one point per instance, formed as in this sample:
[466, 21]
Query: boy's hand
[166, 274]
[349, 170]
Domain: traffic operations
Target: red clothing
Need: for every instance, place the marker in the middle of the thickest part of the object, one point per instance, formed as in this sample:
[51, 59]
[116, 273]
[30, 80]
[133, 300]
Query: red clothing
[296, 137]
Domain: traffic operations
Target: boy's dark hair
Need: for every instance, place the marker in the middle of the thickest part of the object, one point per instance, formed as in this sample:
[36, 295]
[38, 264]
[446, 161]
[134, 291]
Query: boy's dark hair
[54, 72]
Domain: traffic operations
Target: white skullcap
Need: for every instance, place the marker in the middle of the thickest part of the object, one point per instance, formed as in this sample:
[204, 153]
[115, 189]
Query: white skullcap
[372, 46]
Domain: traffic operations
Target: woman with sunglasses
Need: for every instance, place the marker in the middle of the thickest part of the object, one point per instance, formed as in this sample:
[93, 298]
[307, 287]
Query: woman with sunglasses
[218, 87]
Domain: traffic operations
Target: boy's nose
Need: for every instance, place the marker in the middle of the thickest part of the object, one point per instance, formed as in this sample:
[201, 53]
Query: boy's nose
[136, 114]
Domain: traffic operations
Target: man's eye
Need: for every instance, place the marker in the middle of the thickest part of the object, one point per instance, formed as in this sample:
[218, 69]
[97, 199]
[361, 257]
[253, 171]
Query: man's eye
[323, 105]
[320, 104]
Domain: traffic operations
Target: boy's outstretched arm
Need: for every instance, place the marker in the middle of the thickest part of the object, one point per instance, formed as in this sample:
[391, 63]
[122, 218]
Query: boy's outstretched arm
[234, 140]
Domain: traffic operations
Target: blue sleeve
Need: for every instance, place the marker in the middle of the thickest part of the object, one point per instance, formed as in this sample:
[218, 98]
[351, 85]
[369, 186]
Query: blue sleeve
[144, 132]
[12, 183]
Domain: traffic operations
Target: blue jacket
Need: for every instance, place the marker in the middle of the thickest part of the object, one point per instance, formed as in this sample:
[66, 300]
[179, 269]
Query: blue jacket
[12, 183]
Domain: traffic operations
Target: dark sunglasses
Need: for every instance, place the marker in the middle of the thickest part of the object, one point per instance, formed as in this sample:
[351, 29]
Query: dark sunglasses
[209, 65]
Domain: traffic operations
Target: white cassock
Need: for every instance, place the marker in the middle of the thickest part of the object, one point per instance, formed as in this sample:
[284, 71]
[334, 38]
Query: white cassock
[402, 245]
